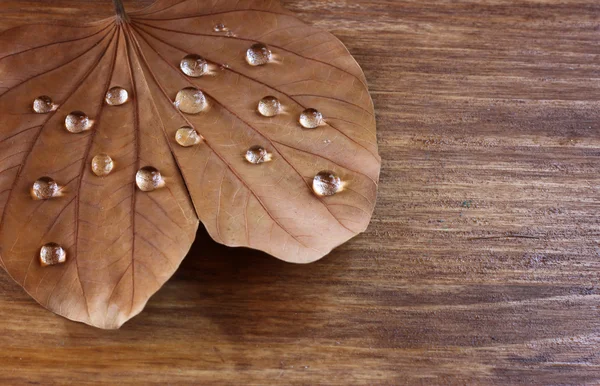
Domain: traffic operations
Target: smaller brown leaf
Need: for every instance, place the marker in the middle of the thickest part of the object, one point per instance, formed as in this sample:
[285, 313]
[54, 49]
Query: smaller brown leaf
[232, 112]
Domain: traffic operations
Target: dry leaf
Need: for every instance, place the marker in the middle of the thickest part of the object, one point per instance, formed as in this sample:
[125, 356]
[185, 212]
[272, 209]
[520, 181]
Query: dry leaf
[85, 241]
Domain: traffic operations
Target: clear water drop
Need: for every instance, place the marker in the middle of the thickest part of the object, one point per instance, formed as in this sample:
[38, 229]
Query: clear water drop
[194, 65]
[220, 28]
[311, 119]
[269, 106]
[148, 179]
[327, 183]
[190, 100]
[257, 155]
[44, 104]
[117, 96]
[52, 254]
[102, 165]
[78, 122]
[258, 54]
[45, 188]
[187, 136]
[230, 34]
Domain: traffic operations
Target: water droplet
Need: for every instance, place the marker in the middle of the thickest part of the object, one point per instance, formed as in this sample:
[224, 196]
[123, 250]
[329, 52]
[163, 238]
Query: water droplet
[52, 254]
[190, 100]
[258, 54]
[78, 122]
[148, 179]
[187, 136]
[45, 188]
[326, 183]
[327, 141]
[44, 105]
[117, 96]
[220, 28]
[311, 119]
[257, 155]
[102, 165]
[224, 67]
[230, 34]
[194, 65]
[269, 106]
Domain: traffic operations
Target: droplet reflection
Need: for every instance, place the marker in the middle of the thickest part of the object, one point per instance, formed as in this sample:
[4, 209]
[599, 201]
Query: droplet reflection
[269, 106]
[257, 155]
[78, 122]
[327, 183]
[148, 179]
[117, 96]
[258, 55]
[190, 100]
[187, 136]
[102, 165]
[52, 254]
[44, 105]
[194, 65]
[311, 119]
[220, 28]
[45, 188]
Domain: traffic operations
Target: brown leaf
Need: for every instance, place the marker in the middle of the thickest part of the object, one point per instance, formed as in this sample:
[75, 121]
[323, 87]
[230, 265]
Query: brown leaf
[122, 242]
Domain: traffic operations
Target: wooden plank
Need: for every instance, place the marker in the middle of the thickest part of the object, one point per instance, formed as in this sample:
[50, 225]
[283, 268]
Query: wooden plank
[481, 264]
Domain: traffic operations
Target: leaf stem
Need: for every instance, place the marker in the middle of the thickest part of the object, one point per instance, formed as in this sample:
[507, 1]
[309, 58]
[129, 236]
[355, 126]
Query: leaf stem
[120, 10]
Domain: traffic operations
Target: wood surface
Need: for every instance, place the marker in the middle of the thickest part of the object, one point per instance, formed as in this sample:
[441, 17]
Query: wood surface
[481, 263]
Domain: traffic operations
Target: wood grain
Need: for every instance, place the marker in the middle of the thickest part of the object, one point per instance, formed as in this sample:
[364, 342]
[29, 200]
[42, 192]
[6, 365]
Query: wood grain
[481, 264]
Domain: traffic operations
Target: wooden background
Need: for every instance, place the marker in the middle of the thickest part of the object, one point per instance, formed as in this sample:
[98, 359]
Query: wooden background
[481, 265]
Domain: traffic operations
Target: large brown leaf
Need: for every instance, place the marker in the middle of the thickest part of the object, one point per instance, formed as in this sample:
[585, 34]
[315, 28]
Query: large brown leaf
[123, 243]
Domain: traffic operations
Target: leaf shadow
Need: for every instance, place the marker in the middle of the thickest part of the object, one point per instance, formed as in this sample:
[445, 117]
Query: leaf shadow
[247, 293]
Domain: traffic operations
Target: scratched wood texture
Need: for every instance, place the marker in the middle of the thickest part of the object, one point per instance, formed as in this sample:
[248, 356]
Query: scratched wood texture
[481, 265]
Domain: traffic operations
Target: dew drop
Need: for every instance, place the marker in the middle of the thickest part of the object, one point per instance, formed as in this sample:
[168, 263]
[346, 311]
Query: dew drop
[117, 96]
[258, 54]
[220, 28]
[148, 179]
[102, 165]
[269, 106]
[190, 100]
[257, 155]
[187, 136]
[230, 34]
[52, 254]
[78, 122]
[194, 65]
[311, 119]
[326, 183]
[45, 188]
[44, 104]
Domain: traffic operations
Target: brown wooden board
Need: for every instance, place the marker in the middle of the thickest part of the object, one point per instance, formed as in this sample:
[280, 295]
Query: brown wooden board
[480, 265]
